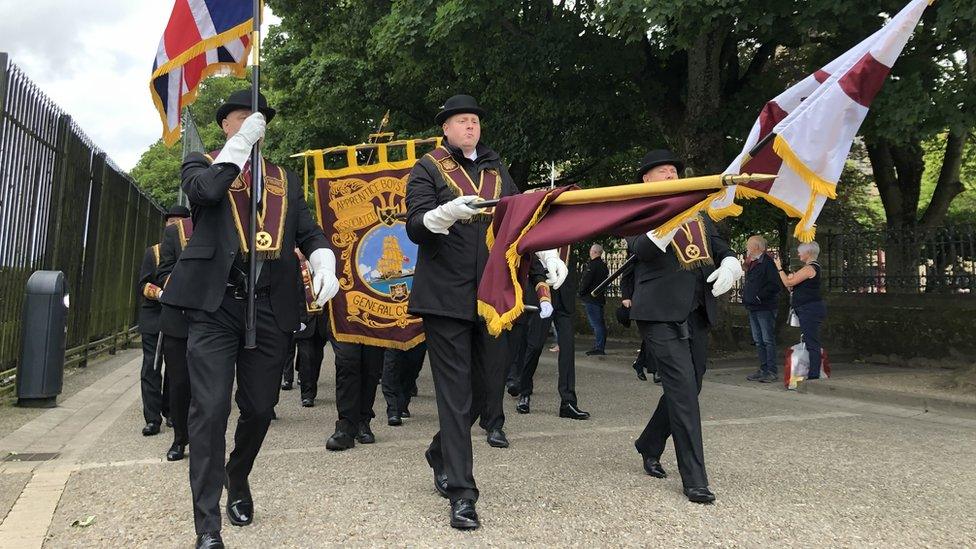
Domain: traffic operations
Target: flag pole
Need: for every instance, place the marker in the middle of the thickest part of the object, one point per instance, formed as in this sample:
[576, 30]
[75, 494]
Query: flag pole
[250, 321]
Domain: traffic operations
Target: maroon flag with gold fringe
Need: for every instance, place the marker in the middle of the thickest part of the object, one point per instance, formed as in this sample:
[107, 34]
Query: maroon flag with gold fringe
[532, 222]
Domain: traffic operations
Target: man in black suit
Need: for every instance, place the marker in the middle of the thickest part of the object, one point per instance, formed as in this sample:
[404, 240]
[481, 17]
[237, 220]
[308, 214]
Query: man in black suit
[179, 229]
[596, 271]
[151, 379]
[564, 310]
[210, 283]
[466, 361]
[676, 280]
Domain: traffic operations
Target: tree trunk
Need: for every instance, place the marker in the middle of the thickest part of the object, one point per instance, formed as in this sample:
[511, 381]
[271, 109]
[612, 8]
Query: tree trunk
[702, 139]
[949, 186]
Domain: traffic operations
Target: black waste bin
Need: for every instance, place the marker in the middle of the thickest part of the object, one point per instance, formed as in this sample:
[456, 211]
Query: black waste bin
[40, 373]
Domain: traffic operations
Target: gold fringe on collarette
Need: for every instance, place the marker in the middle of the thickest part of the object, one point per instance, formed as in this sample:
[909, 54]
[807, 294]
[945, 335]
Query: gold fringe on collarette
[495, 321]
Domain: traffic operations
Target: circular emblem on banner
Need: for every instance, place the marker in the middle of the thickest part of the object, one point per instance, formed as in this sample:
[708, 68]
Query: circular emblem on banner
[692, 251]
[263, 240]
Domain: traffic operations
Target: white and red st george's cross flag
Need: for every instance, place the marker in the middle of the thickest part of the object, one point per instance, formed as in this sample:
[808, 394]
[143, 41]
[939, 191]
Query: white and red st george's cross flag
[814, 124]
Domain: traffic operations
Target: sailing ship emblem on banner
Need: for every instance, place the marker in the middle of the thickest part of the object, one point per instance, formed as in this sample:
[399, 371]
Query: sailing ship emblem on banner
[359, 190]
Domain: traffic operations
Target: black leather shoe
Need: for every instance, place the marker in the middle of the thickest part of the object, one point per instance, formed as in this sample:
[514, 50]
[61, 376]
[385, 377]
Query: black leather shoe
[308, 402]
[571, 411]
[497, 439]
[700, 494]
[463, 515]
[210, 540]
[756, 376]
[440, 478]
[512, 389]
[339, 441]
[151, 428]
[652, 466]
[656, 377]
[640, 371]
[596, 352]
[169, 423]
[365, 434]
[240, 506]
[286, 385]
[394, 420]
[405, 412]
[176, 452]
[524, 404]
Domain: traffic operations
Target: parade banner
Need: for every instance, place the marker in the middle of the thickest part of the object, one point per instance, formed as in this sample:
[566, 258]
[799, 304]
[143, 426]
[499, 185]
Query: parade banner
[359, 190]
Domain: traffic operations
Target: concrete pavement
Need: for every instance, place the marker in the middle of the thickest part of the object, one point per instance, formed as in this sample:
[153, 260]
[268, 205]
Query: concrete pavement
[788, 469]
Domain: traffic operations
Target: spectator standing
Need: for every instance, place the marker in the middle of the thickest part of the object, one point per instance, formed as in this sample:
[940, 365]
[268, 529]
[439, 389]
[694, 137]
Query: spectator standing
[760, 296]
[596, 271]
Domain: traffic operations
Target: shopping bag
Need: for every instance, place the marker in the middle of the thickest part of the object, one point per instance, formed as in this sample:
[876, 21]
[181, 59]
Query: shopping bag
[797, 365]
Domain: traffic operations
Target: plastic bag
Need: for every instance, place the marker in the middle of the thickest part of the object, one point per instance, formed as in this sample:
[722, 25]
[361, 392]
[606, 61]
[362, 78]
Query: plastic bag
[797, 365]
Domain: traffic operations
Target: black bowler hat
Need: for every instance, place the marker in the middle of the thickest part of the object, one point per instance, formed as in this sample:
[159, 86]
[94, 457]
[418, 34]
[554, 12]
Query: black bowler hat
[658, 157]
[623, 316]
[457, 105]
[177, 210]
[241, 99]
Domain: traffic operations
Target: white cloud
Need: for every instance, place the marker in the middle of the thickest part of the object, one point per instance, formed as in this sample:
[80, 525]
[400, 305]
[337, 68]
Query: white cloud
[94, 61]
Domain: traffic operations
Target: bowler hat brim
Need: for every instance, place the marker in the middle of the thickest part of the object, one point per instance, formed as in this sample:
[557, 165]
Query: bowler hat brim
[230, 107]
[447, 113]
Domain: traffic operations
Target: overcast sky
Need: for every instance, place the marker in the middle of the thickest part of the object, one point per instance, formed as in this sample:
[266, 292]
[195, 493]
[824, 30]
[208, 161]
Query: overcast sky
[94, 60]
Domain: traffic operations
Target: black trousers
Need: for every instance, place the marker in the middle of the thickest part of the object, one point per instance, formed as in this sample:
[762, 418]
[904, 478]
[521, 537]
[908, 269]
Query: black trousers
[680, 351]
[645, 359]
[152, 380]
[311, 351]
[400, 372]
[518, 338]
[289, 366]
[536, 341]
[467, 363]
[178, 378]
[358, 369]
[215, 355]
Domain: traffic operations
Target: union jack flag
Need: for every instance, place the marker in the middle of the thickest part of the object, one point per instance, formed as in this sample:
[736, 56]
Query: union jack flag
[203, 37]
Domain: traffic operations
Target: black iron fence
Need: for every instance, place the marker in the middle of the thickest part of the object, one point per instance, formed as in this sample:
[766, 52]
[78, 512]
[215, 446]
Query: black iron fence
[65, 206]
[940, 261]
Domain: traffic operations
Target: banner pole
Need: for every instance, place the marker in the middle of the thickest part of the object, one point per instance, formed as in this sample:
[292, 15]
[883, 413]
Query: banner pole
[250, 321]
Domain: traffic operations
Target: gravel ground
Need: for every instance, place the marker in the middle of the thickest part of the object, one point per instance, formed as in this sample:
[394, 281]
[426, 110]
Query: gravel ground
[846, 476]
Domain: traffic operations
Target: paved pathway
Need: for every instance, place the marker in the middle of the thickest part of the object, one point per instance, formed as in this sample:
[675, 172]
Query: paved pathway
[789, 470]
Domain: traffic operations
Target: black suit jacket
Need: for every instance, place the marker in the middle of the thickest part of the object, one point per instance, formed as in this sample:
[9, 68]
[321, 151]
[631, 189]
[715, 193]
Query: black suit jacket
[596, 271]
[449, 267]
[149, 310]
[660, 289]
[198, 281]
[564, 299]
[171, 320]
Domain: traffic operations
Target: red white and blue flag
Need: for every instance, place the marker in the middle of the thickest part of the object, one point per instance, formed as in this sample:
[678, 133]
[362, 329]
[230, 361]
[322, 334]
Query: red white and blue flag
[203, 37]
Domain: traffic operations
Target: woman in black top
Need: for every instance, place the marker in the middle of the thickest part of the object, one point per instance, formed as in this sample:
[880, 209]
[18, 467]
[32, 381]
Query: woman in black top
[807, 302]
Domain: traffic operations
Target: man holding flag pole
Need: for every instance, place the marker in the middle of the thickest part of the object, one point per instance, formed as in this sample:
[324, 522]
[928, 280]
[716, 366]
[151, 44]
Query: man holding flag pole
[237, 278]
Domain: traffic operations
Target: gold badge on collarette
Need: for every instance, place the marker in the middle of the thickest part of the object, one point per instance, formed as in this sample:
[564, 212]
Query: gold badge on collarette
[263, 241]
[238, 185]
[449, 164]
[692, 251]
[275, 186]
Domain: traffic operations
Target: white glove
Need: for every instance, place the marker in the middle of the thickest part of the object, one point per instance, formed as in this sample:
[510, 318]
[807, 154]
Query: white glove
[556, 271]
[725, 275]
[440, 219]
[545, 309]
[237, 150]
[325, 285]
